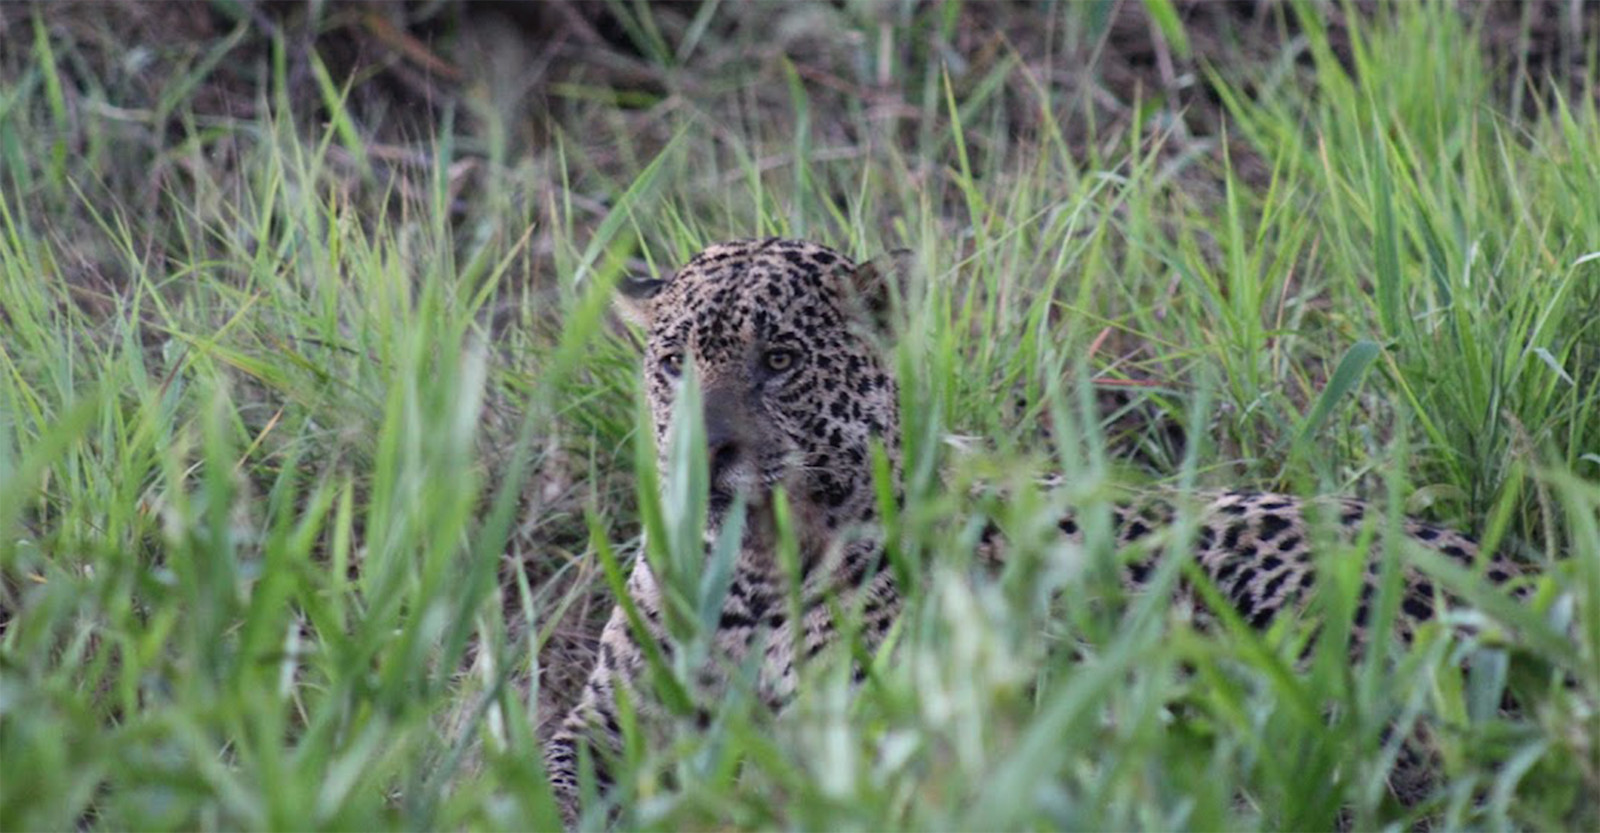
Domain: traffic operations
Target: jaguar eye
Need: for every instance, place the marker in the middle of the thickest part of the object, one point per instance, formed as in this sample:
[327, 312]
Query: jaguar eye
[672, 363]
[778, 361]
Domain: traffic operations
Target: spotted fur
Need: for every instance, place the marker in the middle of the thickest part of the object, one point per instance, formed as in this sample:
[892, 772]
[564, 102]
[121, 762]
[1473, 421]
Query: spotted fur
[1255, 548]
[784, 337]
[806, 420]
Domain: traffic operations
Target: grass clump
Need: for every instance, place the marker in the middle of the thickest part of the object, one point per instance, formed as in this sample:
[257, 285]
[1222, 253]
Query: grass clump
[316, 450]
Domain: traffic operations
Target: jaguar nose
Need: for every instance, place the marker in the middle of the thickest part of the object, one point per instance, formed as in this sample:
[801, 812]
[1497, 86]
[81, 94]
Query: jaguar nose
[724, 448]
[722, 457]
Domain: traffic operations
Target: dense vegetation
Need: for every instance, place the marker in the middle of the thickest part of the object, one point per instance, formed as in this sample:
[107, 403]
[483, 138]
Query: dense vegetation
[318, 445]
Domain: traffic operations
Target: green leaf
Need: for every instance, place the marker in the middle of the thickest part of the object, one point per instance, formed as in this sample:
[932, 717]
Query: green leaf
[1352, 367]
[1165, 15]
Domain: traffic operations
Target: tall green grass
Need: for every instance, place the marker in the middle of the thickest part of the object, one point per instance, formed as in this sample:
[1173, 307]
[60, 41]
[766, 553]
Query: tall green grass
[278, 438]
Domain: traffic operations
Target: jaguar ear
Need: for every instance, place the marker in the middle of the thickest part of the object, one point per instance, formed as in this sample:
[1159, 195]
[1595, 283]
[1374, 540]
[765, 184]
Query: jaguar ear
[635, 299]
[876, 286]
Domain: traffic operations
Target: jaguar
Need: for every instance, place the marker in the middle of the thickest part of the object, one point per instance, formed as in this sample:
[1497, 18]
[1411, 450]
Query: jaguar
[786, 340]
